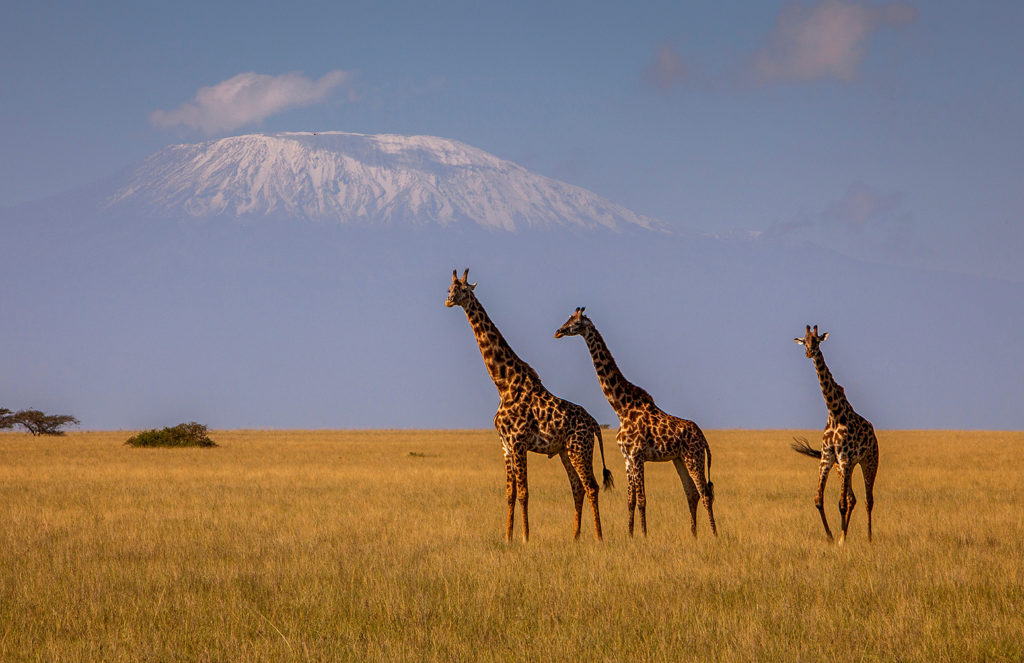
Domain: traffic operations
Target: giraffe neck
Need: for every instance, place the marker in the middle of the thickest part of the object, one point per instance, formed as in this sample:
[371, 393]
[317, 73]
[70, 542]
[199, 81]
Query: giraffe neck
[619, 391]
[503, 365]
[835, 397]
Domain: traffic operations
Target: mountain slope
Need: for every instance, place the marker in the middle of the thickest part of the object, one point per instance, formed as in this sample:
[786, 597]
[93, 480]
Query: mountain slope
[128, 318]
[346, 178]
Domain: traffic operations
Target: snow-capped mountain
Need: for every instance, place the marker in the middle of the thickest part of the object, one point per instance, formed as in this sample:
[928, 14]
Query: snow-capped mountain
[343, 178]
[128, 318]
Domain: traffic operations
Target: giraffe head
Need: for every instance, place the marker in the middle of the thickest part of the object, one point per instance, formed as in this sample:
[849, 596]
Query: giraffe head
[575, 325]
[811, 340]
[461, 290]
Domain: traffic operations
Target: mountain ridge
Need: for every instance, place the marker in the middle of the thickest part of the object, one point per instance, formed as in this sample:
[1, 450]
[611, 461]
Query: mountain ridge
[342, 177]
[128, 319]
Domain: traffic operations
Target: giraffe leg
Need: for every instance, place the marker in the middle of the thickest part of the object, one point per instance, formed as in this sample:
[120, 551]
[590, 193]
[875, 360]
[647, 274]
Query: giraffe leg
[519, 463]
[869, 469]
[692, 496]
[630, 492]
[641, 495]
[510, 495]
[846, 499]
[819, 497]
[583, 464]
[577, 490]
[695, 466]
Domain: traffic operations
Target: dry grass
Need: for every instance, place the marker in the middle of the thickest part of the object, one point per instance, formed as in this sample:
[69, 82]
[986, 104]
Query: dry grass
[322, 545]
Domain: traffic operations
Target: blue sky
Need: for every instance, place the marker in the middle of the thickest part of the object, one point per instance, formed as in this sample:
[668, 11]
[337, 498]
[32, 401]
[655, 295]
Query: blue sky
[887, 131]
[848, 118]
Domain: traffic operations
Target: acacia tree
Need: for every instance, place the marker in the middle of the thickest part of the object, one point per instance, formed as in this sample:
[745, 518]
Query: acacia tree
[40, 423]
[6, 419]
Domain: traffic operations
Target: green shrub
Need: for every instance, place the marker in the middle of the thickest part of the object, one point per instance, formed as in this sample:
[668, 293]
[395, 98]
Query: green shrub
[182, 435]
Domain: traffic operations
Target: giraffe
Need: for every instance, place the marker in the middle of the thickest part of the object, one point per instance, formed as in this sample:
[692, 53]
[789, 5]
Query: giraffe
[530, 418]
[848, 439]
[646, 433]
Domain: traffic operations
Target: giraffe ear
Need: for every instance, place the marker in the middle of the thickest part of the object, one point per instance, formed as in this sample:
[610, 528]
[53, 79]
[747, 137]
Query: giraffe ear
[472, 286]
[798, 340]
[822, 337]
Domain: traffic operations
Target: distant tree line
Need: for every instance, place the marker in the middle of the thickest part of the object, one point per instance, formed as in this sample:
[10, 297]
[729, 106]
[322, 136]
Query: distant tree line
[36, 422]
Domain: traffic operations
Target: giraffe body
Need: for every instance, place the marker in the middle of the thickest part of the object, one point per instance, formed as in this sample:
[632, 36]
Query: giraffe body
[532, 419]
[847, 441]
[647, 433]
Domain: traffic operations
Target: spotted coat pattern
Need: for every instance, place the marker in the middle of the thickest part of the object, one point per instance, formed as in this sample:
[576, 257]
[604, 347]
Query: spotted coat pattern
[646, 433]
[530, 418]
[848, 440]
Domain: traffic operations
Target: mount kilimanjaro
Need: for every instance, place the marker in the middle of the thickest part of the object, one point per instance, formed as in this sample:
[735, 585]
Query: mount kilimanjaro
[298, 279]
[347, 178]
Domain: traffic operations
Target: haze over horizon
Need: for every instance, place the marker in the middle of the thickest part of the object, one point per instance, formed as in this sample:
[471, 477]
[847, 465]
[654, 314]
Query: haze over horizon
[876, 145]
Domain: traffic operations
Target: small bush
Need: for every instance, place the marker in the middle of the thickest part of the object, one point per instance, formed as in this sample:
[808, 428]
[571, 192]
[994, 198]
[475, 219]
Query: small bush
[182, 435]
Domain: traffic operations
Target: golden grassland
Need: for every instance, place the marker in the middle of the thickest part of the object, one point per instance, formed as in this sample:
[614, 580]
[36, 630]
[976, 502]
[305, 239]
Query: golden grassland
[383, 545]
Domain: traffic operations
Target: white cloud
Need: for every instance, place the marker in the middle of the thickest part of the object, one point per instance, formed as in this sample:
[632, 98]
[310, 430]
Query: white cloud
[248, 98]
[825, 40]
[666, 69]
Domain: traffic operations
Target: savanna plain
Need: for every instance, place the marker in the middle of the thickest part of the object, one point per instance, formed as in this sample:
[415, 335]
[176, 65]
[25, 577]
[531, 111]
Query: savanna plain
[389, 545]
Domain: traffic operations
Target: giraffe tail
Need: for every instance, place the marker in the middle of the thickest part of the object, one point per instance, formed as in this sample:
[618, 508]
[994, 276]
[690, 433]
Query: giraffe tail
[801, 447]
[711, 486]
[606, 475]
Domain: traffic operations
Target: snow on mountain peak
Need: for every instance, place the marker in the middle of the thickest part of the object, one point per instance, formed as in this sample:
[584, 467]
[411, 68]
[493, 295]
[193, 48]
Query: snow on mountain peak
[340, 177]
